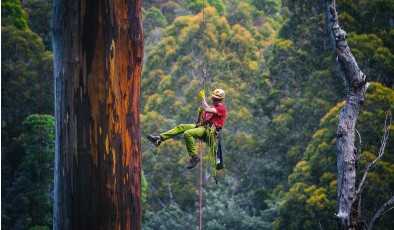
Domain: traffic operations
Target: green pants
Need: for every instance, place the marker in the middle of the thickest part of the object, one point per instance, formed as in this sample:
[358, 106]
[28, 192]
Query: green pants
[189, 131]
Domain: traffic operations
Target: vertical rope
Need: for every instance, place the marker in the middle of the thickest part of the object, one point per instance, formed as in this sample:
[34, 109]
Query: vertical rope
[200, 207]
[203, 45]
[203, 87]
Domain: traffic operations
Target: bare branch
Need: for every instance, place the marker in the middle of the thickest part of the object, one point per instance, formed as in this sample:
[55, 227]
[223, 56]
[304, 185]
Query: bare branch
[383, 210]
[162, 204]
[387, 210]
[383, 143]
[357, 151]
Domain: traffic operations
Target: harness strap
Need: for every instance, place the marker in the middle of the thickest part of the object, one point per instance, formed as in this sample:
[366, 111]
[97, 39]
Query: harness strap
[216, 132]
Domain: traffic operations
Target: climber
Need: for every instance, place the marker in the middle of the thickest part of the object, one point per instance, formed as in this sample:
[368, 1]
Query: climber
[214, 117]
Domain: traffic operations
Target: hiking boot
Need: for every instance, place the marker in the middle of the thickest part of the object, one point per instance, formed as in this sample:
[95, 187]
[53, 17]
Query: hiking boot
[193, 162]
[156, 140]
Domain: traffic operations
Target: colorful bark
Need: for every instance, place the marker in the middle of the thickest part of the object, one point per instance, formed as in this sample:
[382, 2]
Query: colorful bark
[98, 51]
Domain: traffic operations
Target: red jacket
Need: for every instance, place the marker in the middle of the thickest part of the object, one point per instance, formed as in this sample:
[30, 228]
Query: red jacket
[217, 119]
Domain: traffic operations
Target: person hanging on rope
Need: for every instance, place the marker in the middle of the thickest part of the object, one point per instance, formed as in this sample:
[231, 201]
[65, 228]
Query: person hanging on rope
[214, 117]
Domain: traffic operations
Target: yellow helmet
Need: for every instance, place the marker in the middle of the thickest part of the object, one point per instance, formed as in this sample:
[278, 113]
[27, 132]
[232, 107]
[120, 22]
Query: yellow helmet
[218, 94]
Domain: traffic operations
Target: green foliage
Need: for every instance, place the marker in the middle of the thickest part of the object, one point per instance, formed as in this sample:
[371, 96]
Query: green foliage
[171, 217]
[32, 177]
[39, 13]
[144, 188]
[21, 75]
[39, 228]
[13, 15]
[270, 7]
[242, 15]
[376, 60]
[369, 20]
[153, 18]
[21, 68]
[221, 210]
[38, 126]
[219, 5]
[196, 5]
[369, 10]
[301, 208]
[24, 65]
[171, 10]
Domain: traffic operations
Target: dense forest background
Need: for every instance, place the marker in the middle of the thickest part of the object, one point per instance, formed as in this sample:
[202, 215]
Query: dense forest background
[284, 94]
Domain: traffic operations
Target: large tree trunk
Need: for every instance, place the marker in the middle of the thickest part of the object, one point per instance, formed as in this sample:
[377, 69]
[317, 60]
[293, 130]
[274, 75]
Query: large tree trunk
[349, 216]
[98, 51]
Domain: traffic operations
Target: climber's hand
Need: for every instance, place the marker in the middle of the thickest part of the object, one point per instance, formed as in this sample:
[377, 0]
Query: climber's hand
[201, 95]
[200, 109]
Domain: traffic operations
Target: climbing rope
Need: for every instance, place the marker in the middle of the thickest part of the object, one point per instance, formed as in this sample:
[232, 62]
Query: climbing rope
[203, 88]
[200, 191]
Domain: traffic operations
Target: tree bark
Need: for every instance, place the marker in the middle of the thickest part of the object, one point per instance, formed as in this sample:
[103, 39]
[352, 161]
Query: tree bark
[349, 216]
[98, 52]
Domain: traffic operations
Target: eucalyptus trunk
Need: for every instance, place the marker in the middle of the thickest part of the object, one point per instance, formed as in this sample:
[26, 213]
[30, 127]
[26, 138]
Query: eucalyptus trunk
[349, 208]
[98, 52]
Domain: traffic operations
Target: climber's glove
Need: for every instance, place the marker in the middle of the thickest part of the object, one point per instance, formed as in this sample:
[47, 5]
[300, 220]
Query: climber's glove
[201, 95]
[200, 110]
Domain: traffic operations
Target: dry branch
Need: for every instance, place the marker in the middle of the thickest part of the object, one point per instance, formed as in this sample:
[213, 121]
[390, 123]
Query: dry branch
[383, 143]
[383, 210]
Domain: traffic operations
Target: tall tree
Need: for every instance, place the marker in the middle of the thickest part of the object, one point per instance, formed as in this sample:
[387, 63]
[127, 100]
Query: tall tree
[98, 52]
[348, 194]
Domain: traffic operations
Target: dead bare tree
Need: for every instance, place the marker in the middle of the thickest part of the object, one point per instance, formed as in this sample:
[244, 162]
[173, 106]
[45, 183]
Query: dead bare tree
[98, 52]
[348, 194]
